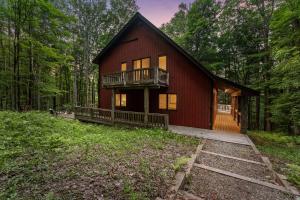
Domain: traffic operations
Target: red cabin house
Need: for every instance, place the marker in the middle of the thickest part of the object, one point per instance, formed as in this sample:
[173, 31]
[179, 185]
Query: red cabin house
[147, 79]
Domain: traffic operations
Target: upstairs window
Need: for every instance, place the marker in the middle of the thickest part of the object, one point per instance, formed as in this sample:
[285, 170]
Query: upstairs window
[146, 63]
[120, 100]
[139, 64]
[123, 67]
[162, 62]
[168, 101]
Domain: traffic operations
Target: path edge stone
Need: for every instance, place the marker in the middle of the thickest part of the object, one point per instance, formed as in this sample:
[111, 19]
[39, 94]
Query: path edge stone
[278, 179]
[180, 177]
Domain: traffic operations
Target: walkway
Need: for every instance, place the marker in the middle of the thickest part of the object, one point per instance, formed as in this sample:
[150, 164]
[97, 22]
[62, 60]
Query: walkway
[210, 134]
[225, 122]
[228, 166]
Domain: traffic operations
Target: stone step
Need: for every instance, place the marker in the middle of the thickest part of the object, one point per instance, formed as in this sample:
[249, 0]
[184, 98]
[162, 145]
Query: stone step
[211, 184]
[239, 166]
[231, 149]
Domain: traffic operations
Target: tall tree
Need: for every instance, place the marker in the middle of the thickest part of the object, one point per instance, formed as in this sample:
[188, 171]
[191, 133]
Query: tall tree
[285, 77]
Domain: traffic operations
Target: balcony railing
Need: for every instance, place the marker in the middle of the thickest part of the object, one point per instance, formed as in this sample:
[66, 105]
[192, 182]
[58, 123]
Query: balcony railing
[106, 116]
[137, 77]
[224, 108]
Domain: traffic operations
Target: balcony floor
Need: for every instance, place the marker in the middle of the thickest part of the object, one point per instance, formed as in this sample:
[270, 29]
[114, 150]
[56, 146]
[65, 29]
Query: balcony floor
[225, 122]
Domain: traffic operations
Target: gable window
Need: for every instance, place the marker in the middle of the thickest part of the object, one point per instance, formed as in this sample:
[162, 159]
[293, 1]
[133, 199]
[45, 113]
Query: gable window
[168, 101]
[120, 100]
[162, 62]
[123, 67]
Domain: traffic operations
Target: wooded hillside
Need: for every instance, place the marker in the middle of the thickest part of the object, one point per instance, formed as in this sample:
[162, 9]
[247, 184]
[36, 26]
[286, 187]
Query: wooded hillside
[47, 47]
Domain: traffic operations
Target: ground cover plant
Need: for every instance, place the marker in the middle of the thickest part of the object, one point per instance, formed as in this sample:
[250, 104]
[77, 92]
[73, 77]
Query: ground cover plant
[283, 151]
[45, 157]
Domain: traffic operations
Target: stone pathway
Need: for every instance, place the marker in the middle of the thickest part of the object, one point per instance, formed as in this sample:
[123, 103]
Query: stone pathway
[228, 166]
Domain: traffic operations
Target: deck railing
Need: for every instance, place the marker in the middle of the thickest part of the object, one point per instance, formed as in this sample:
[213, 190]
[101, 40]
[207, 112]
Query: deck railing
[224, 108]
[145, 76]
[106, 116]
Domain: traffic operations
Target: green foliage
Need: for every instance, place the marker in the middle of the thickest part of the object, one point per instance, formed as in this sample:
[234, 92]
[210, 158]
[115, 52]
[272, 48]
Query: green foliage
[32, 143]
[282, 148]
[195, 29]
[180, 162]
[281, 139]
[55, 42]
[293, 174]
[286, 75]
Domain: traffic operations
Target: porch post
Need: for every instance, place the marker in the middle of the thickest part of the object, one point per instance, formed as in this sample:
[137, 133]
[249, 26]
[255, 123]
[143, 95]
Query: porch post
[250, 113]
[146, 104]
[257, 111]
[244, 113]
[113, 105]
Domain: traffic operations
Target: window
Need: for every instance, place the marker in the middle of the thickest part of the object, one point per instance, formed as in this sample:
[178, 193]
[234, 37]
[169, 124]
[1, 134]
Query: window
[121, 100]
[146, 63]
[168, 101]
[162, 101]
[138, 64]
[141, 63]
[123, 67]
[117, 99]
[162, 62]
[172, 101]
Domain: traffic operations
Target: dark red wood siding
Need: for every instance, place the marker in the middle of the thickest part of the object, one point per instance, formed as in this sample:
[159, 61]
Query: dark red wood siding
[192, 86]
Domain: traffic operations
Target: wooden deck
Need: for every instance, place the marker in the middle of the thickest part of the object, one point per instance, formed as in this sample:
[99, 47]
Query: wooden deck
[224, 122]
[106, 116]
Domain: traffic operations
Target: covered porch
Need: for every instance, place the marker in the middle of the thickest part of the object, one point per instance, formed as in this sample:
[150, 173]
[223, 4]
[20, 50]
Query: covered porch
[234, 108]
[225, 122]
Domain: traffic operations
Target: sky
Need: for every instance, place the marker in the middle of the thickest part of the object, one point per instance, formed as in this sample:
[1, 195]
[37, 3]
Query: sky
[159, 11]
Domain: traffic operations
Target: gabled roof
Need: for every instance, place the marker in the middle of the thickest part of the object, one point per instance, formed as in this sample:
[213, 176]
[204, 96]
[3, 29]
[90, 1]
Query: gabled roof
[138, 17]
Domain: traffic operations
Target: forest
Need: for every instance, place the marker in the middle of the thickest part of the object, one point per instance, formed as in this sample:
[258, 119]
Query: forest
[47, 48]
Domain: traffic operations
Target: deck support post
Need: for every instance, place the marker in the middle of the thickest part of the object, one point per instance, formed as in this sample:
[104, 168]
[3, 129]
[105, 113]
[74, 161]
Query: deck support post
[257, 111]
[244, 113]
[156, 75]
[146, 104]
[113, 105]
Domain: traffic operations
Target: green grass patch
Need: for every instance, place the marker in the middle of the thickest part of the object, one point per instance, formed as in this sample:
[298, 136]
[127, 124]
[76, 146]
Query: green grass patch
[180, 162]
[45, 157]
[284, 151]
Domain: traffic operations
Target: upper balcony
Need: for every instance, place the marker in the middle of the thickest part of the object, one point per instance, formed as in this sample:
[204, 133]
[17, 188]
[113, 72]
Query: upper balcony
[146, 77]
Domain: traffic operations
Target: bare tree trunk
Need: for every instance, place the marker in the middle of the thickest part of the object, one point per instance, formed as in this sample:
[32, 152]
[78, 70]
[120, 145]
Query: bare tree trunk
[30, 85]
[75, 103]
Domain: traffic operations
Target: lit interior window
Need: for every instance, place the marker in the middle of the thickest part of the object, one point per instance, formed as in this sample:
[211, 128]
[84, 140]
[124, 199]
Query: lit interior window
[162, 62]
[123, 67]
[172, 101]
[146, 63]
[162, 101]
[117, 100]
[123, 100]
